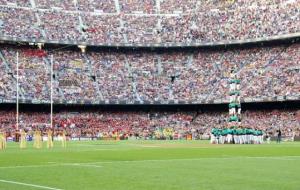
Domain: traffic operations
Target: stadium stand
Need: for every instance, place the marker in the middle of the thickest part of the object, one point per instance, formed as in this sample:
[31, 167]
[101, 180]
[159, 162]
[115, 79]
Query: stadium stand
[138, 76]
[162, 21]
[151, 125]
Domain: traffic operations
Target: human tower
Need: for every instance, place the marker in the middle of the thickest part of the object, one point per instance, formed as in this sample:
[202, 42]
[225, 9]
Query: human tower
[234, 132]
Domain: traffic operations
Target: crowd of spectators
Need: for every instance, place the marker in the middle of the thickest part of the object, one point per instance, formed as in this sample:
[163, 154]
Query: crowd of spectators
[34, 74]
[138, 6]
[146, 22]
[109, 32]
[59, 25]
[141, 76]
[150, 125]
[20, 3]
[74, 76]
[199, 76]
[19, 23]
[6, 83]
[269, 73]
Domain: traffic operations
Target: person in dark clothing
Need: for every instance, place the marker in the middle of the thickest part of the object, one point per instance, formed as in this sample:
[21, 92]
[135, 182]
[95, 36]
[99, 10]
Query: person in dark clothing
[279, 136]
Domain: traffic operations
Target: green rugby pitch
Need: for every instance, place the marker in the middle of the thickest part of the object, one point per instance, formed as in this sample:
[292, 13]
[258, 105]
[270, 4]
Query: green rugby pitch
[151, 165]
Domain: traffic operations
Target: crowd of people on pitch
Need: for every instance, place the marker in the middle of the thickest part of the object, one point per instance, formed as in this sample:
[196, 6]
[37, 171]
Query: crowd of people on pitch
[148, 76]
[145, 22]
[158, 125]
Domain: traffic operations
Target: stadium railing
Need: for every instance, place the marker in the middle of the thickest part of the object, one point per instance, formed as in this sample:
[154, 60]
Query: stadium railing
[156, 45]
[171, 102]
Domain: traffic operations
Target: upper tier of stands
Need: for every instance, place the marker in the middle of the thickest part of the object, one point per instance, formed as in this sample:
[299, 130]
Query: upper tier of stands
[149, 22]
[144, 77]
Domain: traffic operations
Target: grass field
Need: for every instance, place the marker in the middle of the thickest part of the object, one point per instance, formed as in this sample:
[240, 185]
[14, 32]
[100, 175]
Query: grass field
[153, 165]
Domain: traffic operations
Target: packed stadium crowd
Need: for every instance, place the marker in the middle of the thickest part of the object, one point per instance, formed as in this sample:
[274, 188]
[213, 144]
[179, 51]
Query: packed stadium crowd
[132, 76]
[150, 125]
[139, 76]
[150, 21]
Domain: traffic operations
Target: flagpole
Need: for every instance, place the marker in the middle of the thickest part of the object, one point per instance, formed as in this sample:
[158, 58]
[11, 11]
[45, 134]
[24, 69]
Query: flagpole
[17, 106]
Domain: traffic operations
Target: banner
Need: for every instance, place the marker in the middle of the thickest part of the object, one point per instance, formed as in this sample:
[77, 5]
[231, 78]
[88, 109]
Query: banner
[34, 53]
[77, 63]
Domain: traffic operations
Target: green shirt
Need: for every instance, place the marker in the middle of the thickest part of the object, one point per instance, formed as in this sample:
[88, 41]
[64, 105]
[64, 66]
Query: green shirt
[237, 81]
[234, 93]
[239, 131]
[233, 118]
[214, 131]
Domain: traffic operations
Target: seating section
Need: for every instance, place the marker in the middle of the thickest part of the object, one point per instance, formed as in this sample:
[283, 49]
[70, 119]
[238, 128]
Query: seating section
[109, 32]
[149, 22]
[149, 125]
[19, 23]
[62, 4]
[7, 82]
[141, 6]
[140, 76]
[19, 3]
[60, 26]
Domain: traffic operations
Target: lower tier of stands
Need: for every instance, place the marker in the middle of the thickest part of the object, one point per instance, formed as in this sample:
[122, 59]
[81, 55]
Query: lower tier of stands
[149, 125]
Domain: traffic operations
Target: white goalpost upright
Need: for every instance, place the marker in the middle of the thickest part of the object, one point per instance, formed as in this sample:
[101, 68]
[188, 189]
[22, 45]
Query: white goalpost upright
[17, 102]
[18, 92]
[51, 93]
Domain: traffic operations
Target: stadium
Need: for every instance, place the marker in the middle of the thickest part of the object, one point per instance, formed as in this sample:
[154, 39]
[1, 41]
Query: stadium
[149, 94]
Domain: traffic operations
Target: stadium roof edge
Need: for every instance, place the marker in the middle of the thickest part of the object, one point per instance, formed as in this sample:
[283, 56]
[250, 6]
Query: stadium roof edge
[146, 103]
[158, 107]
[295, 37]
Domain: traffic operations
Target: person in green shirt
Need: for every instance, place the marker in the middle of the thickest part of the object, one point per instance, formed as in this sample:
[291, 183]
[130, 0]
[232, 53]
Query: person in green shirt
[222, 136]
[244, 134]
[235, 136]
[239, 135]
[233, 118]
[261, 136]
[213, 136]
[248, 135]
[229, 137]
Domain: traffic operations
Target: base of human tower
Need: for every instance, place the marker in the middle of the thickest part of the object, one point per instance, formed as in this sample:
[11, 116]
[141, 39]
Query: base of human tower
[236, 136]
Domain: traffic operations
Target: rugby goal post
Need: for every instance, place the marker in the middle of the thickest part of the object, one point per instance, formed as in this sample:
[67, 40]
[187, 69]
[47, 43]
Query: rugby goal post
[17, 135]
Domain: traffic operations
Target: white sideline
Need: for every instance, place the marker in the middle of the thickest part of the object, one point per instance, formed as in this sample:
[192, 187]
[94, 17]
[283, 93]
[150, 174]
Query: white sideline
[276, 158]
[82, 164]
[93, 164]
[31, 166]
[53, 165]
[28, 184]
[192, 159]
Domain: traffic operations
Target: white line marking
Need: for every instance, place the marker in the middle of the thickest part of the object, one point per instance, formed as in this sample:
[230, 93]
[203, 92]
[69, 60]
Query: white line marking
[82, 165]
[191, 159]
[31, 166]
[93, 164]
[90, 165]
[53, 164]
[28, 184]
[275, 158]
